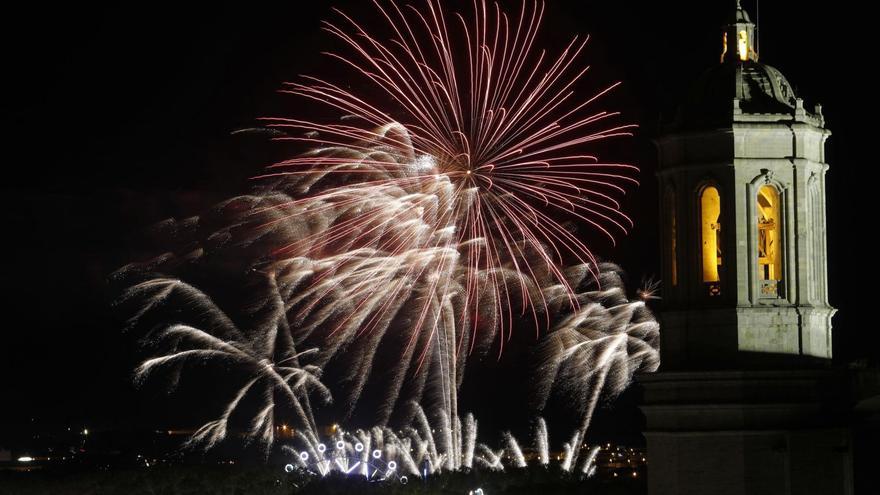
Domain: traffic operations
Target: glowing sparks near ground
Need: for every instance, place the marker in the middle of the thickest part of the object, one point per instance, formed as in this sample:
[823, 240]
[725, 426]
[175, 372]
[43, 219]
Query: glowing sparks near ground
[419, 451]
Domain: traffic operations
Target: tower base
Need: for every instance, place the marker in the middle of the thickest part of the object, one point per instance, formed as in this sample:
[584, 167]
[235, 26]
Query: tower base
[748, 432]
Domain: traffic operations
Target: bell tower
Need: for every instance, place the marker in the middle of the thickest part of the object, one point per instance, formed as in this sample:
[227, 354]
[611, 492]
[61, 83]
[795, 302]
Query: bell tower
[746, 400]
[742, 178]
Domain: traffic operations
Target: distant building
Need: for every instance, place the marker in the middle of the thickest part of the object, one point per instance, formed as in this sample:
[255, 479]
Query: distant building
[746, 401]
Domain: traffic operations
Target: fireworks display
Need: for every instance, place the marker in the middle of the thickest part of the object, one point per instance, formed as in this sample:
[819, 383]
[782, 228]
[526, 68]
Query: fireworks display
[415, 232]
[381, 453]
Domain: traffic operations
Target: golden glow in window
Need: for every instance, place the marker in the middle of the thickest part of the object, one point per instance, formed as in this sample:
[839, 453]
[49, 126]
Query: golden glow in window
[769, 238]
[710, 214]
[723, 46]
[743, 45]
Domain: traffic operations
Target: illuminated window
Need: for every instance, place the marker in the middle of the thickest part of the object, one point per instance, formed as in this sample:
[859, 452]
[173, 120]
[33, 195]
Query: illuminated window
[672, 232]
[723, 46]
[769, 240]
[710, 215]
[743, 45]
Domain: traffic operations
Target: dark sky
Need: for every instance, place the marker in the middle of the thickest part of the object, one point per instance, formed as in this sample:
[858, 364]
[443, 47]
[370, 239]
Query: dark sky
[117, 117]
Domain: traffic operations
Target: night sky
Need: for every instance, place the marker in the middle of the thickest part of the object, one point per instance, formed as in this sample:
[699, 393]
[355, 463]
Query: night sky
[115, 118]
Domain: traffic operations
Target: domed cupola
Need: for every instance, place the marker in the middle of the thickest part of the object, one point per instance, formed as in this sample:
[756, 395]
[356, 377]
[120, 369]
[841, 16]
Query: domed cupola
[739, 84]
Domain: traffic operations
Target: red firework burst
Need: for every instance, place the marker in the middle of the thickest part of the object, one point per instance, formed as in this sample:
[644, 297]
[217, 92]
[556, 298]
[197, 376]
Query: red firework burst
[477, 106]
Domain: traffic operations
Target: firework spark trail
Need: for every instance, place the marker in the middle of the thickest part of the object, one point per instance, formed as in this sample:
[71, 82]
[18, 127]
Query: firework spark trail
[515, 451]
[543, 443]
[597, 348]
[589, 465]
[570, 448]
[428, 233]
[268, 360]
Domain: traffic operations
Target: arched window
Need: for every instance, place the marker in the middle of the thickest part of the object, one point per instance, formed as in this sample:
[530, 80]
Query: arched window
[710, 220]
[723, 47]
[672, 233]
[769, 240]
[742, 45]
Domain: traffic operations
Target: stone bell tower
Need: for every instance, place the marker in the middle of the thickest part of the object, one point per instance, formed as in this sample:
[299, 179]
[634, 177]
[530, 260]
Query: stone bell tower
[746, 400]
[742, 178]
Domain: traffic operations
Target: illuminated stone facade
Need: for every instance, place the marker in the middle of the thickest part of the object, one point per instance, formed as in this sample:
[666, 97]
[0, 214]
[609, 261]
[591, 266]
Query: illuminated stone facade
[742, 192]
[746, 400]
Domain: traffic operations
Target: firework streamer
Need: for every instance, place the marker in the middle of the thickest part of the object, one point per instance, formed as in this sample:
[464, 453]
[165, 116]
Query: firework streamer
[543, 442]
[514, 450]
[470, 441]
[489, 458]
[589, 466]
[570, 455]
[597, 348]
[267, 359]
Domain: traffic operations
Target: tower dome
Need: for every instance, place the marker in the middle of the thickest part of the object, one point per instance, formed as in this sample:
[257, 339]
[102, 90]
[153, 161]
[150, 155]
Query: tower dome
[739, 84]
[759, 88]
